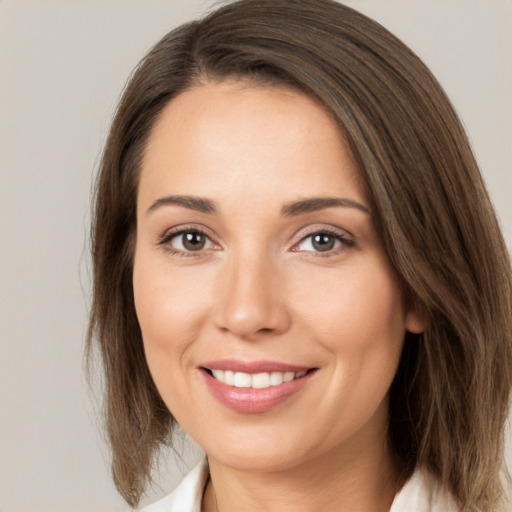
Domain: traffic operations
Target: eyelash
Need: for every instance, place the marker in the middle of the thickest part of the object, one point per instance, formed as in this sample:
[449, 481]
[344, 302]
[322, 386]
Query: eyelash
[346, 242]
[165, 240]
[168, 236]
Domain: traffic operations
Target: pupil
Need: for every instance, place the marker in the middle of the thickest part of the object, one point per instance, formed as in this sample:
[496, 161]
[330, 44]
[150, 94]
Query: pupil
[323, 242]
[193, 241]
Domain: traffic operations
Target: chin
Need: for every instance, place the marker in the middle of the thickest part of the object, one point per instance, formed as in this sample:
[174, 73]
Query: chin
[258, 461]
[259, 453]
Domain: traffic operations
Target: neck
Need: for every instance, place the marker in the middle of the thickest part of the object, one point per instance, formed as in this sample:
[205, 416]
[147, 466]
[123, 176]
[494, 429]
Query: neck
[357, 476]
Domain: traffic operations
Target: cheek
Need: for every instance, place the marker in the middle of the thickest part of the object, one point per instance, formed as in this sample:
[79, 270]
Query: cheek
[359, 305]
[361, 323]
[170, 308]
[359, 319]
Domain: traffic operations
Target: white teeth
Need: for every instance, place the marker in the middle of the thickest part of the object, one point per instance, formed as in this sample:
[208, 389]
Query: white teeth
[257, 380]
[242, 380]
[229, 378]
[219, 375]
[288, 376]
[261, 380]
[276, 378]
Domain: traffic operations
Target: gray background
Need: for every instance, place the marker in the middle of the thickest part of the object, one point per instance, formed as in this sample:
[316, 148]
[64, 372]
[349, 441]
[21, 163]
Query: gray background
[62, 67]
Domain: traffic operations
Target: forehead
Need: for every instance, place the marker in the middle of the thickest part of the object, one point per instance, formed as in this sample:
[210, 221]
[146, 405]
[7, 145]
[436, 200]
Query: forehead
[220, 136]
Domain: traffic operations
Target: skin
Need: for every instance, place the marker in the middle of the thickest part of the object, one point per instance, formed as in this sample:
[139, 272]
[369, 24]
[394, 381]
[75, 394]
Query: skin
[259, 289]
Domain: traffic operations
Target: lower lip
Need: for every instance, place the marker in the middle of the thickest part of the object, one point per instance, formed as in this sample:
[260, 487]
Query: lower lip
[251, 400]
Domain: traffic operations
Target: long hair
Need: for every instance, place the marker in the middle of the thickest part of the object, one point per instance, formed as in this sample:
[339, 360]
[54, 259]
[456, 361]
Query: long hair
[450, 398]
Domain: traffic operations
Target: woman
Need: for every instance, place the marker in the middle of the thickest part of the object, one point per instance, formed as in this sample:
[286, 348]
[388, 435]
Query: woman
[295, 259]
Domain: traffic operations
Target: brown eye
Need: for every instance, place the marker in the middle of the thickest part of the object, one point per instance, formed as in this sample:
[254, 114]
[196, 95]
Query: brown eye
[188, 241]
[193, 241]
[323, 242]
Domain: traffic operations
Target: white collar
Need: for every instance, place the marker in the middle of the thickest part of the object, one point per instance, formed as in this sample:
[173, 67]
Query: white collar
[421, 493]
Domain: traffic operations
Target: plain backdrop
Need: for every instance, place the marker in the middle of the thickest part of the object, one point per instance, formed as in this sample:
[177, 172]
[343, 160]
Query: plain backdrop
[63, 65]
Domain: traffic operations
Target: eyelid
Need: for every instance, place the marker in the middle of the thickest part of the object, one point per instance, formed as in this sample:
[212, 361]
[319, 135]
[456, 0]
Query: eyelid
[323, 228]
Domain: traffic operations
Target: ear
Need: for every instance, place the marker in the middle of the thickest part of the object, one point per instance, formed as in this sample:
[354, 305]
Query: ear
[416, 321]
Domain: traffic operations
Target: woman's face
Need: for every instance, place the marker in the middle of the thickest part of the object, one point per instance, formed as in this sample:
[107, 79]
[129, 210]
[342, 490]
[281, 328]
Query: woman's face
[271, 317]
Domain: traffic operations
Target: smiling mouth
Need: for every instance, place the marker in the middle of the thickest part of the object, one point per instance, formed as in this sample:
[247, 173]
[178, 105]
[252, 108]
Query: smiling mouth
[254, 387]
[260, 380]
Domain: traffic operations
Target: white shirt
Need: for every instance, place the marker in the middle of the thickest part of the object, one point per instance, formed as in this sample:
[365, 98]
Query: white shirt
[420, 494]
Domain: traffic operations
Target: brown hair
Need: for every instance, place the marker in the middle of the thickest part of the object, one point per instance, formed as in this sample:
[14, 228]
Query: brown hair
[450, 397]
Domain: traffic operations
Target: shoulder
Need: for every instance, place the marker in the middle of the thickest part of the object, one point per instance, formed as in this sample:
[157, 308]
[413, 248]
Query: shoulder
[187, 496]
[423, 493]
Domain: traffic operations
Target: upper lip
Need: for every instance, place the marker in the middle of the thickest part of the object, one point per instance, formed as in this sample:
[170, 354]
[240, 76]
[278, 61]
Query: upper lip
[260, 366]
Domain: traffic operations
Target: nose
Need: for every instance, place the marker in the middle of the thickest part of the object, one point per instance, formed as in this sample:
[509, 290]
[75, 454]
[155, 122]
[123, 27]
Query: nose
[250, 299]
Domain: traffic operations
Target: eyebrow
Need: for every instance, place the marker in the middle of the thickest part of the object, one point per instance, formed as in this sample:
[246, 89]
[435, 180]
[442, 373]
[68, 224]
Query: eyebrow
[294, 208]
[319, 203]
[191, 202]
